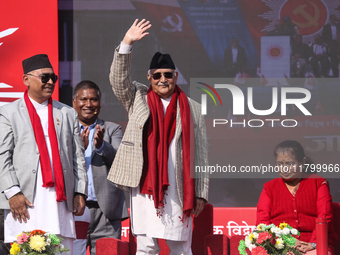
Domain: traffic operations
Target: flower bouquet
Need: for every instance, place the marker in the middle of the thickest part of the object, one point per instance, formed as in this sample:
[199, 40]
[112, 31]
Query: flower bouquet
[270, 239]
[37, 242]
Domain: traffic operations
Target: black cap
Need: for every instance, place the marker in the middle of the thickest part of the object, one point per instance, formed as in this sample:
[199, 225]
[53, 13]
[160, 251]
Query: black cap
[36, 62]
[161, 61]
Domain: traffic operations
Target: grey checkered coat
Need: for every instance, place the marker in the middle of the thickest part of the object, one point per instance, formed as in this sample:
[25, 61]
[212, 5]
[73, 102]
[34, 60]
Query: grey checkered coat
[127, 167]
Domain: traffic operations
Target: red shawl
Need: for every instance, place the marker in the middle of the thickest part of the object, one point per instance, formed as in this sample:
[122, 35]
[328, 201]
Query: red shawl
[160, 132]
[45, 163]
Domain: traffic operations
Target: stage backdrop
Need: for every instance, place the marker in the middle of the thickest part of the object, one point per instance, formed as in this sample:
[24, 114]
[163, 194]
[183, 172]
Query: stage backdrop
[27, 28]
[198, 35]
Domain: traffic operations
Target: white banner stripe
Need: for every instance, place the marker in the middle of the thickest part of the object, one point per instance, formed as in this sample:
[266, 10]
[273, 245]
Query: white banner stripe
[11, 94]
[4, 85]
[8, 32]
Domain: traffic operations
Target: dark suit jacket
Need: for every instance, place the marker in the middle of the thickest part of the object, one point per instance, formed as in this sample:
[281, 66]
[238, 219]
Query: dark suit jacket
[241, 60]
[327, 32]
[111, 200]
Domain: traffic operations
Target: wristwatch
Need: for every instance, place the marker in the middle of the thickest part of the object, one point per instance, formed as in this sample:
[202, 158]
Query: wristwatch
[313, 245]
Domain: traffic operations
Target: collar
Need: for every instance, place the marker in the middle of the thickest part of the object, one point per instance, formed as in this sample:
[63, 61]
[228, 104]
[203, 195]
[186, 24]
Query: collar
[36, 104]
[90, 127]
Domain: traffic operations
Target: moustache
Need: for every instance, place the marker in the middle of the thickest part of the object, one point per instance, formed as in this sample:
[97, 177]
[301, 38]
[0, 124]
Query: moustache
[163, 84]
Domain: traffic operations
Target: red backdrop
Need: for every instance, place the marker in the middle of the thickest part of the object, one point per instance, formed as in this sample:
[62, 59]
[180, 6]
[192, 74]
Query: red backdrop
[227, 220]
[34, 27]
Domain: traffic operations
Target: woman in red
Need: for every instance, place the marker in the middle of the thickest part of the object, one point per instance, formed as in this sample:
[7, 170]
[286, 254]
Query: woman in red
[297, 198]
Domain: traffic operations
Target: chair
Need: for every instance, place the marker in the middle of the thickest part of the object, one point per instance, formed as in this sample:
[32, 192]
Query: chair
[202, 227]
[234, 243]
[80, 242]
[336, 223]
[82, 225]
[216, 244]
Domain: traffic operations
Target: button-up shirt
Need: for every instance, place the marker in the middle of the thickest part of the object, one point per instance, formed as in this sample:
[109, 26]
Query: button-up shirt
[88, 158]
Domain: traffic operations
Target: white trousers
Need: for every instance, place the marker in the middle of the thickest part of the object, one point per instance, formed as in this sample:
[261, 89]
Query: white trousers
[149, 245]
[79, 246]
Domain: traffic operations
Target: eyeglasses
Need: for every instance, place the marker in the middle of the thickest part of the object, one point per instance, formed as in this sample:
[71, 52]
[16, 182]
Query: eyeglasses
[168, 75]
[45, 77]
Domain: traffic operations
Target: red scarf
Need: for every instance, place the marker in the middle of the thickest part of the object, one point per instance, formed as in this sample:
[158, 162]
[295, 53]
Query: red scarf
[44, 157]
[160, 132]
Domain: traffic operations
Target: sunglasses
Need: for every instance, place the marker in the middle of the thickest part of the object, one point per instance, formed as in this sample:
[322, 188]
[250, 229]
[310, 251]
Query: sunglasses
[168, 75]
[45, 77]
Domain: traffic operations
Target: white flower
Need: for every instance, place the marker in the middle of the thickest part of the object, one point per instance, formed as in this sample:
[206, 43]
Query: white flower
[61, 246]
[294, 231]
[279, 244]
[247, 241]
[285, 231]
[256, 235]
[277, 231]
[48, 241]
[252, 246]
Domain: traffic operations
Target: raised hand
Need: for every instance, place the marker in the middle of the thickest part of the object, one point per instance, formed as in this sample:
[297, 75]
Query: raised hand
[85, 137]
[137, 31]
[99, 137]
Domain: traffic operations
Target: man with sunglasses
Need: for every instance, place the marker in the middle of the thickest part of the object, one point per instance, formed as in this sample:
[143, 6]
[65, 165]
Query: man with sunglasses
[164, 138]
[42, 165]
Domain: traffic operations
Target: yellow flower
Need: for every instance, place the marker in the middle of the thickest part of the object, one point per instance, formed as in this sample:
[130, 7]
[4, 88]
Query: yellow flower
[14, 248]
[260, 227]
[38, 243]
[283, 225]
[251, 237]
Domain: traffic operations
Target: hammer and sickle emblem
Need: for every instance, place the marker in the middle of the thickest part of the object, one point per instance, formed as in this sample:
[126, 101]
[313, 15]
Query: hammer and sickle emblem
[175, 26]
[275, 52]
[312, 20]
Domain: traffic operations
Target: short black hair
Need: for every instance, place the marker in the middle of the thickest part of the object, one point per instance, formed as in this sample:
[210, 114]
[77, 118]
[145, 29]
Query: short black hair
[86, 84]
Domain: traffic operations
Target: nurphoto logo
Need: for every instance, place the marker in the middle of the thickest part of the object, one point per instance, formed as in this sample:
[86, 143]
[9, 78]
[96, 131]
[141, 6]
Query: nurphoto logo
[235, 102]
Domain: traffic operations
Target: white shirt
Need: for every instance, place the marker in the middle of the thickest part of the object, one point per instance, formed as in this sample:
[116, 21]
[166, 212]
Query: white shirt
[234, 52]
[333, 28]
[88, 158]
[47, 214]
[319, 49]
